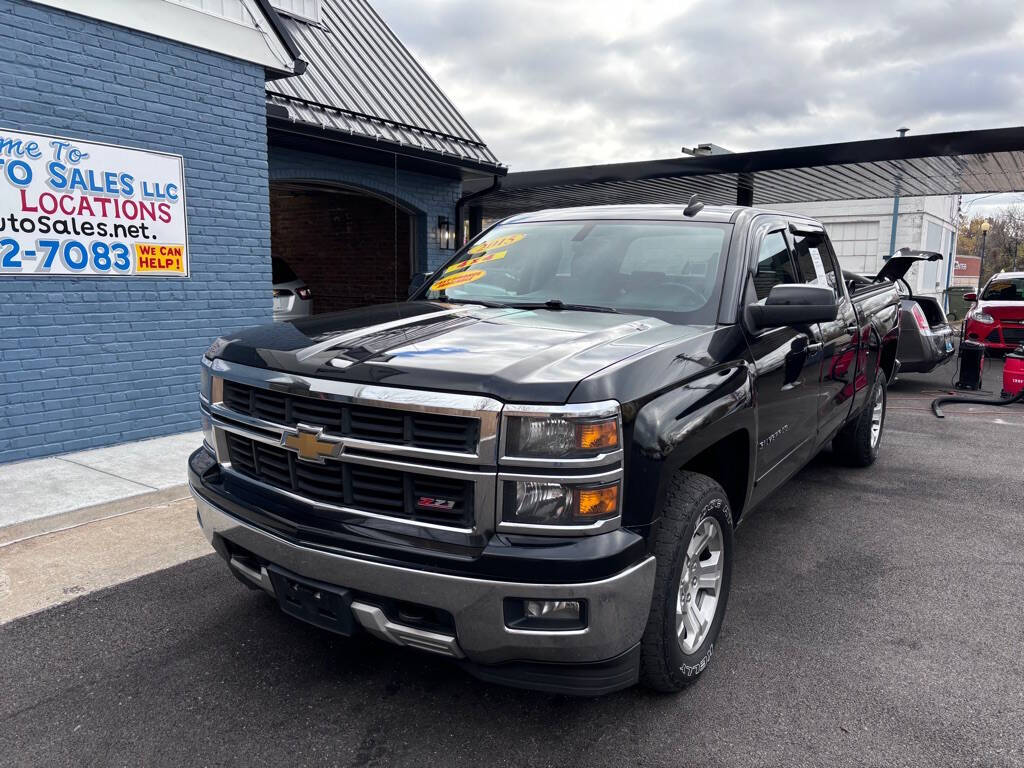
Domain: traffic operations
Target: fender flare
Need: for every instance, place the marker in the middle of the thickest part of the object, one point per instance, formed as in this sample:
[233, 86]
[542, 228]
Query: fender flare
[677, 425]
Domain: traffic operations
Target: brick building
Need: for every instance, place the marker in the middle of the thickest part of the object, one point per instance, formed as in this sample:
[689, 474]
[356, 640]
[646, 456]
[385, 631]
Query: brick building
[301, 127]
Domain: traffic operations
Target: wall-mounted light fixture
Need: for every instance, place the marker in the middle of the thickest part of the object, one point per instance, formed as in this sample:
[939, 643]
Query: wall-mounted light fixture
[445, 234]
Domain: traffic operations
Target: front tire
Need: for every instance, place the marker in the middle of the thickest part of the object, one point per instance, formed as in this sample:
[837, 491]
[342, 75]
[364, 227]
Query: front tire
[693, 549]
[858, 442]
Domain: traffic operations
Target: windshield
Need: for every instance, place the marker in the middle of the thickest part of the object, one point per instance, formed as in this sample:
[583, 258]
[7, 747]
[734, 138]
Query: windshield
[669, 268]
[1004, 289]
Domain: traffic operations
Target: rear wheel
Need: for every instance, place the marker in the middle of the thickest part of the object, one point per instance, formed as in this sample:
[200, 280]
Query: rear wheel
[693, 549]
[858, 442]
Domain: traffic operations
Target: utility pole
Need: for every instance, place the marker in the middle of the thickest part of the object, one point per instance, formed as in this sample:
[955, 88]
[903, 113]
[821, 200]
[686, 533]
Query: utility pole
[985, 227]
[895, 203]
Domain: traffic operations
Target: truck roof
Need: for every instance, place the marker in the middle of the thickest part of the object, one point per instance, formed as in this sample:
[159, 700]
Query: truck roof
[669, 212]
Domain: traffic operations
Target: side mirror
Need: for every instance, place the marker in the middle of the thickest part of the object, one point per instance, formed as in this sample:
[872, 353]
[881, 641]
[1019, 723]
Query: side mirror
[794, 305]
[417, 281]
[970, 296]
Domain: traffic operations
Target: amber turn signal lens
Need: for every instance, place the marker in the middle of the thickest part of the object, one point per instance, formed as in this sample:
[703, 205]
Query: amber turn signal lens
[598, 502]
[599, 434]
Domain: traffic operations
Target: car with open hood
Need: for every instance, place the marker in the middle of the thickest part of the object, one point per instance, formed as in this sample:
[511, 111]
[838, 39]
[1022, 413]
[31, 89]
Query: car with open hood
[926, 338]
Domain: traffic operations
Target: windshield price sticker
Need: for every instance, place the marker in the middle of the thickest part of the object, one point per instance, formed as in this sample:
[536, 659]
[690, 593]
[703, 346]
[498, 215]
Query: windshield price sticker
[82, 209]
[460, 279]
[499, 242]
[478, 260]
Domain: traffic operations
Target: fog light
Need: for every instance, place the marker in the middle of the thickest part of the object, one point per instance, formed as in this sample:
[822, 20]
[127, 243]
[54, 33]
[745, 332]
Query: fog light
[552, 609]
[540, 615]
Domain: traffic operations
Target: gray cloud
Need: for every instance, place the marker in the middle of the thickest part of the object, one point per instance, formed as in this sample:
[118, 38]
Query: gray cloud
[575, 82]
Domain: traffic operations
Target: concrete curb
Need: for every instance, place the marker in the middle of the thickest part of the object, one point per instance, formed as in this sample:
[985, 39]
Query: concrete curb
[40, 526]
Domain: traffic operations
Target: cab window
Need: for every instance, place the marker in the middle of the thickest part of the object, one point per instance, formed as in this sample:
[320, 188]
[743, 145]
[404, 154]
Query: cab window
[813, 257]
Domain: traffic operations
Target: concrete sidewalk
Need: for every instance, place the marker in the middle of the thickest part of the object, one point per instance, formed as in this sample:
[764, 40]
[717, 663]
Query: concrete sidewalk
[43, 495]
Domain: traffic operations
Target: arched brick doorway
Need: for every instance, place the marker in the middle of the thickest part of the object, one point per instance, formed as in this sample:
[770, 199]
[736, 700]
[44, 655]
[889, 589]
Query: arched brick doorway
[352, 247]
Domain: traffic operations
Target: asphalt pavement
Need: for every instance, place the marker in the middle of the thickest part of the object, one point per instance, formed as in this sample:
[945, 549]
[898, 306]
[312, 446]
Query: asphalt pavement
[875, 619]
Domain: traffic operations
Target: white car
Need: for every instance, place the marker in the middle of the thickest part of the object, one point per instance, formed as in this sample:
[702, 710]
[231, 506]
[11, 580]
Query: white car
[292, 298]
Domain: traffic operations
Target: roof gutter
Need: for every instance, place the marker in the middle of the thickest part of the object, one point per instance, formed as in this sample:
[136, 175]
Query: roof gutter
[461, 204]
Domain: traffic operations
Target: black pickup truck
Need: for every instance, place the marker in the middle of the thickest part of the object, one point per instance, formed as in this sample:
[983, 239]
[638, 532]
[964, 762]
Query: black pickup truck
[536, 464]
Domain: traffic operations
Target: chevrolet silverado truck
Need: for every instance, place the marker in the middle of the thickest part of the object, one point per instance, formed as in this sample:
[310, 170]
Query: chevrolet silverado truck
[535, 465]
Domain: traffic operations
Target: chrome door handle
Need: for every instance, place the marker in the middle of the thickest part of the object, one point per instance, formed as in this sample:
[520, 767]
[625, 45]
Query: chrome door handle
[853, 330]
[811, 349]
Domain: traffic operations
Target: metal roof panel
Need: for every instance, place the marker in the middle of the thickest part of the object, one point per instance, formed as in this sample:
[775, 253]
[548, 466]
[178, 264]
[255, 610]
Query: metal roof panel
[362, 80]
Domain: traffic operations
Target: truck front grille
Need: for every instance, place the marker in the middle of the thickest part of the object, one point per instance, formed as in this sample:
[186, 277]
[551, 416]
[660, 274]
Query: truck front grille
[382, 425]
[394, 493]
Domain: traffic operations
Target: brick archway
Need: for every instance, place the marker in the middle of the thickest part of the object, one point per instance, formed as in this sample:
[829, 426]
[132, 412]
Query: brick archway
[352, 246]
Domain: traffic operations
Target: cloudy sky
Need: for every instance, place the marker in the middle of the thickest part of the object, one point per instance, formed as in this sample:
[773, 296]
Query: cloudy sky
[550, 83]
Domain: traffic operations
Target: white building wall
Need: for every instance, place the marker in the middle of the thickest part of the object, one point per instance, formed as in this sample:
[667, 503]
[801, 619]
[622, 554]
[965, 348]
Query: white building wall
[861, 229]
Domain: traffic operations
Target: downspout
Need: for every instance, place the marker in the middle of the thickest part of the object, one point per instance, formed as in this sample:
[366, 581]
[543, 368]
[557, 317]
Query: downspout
[461, 204]
[896, 203]
[953, 237]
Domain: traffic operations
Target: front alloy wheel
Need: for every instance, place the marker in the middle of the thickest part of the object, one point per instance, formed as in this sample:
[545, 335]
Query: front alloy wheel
[693, 550]
[700, 585]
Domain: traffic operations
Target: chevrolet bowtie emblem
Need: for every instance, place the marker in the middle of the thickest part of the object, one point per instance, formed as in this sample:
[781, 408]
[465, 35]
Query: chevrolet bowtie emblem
[312, 444]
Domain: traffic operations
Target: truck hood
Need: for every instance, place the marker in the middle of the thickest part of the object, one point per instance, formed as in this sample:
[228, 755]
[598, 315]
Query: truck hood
[533, 356]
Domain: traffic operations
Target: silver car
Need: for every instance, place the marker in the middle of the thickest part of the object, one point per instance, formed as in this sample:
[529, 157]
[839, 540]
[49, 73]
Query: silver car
[292, 298]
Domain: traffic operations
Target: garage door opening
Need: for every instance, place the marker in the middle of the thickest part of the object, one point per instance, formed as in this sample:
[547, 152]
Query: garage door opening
[349, 248]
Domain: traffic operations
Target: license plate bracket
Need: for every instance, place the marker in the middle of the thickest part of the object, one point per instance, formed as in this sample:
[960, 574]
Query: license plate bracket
[322, 605]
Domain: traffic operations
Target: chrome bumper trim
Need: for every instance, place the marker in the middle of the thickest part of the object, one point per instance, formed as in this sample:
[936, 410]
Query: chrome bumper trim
[617, 606]
[374, 621]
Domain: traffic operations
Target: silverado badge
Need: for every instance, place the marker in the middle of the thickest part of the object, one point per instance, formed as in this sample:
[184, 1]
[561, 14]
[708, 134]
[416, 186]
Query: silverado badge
[311, 443]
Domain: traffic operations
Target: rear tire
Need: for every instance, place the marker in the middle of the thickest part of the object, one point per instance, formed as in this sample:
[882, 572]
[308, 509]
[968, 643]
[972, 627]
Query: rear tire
[693, 549]
[857, 443]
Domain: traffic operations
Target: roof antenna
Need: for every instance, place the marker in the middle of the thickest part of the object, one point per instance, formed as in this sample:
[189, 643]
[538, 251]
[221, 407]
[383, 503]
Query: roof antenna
[693, 207]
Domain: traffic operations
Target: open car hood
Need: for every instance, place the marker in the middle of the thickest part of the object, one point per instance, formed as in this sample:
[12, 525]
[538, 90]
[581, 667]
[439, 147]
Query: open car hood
[900, 263]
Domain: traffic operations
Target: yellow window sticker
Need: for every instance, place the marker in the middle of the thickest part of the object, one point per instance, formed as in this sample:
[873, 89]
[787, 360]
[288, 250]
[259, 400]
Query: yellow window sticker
[478, 260]
[498, 242]
[460, 279]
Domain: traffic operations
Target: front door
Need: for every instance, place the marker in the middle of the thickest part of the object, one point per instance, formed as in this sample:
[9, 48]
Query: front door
[787, 361]
[842, 370]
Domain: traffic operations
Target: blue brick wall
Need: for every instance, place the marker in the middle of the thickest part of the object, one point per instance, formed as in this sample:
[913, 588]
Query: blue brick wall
[426, 196]
[90, 362]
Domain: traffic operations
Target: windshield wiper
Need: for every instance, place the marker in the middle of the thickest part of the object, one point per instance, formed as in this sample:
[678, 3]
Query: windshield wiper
[558, 305]
[481, 302]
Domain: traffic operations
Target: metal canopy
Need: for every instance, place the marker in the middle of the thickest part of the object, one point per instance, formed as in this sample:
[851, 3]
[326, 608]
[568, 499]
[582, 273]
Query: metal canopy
[363, 84]
[963, 162]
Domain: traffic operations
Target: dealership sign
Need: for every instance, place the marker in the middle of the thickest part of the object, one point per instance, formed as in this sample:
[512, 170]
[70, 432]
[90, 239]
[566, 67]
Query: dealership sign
[81, 209]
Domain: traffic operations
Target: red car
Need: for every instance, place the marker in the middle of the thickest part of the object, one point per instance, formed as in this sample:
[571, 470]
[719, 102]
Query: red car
[997, 318]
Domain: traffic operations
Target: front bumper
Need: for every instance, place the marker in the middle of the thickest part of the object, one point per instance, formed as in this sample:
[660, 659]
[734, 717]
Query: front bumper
[617, 606]
[997, 337]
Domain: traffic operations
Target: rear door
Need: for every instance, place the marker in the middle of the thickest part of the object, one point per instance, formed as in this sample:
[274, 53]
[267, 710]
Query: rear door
[839, 338]
[787, 362]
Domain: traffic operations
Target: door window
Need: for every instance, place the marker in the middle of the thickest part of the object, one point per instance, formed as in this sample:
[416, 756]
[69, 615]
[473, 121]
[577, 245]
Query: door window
[816, 264]
[774, 265]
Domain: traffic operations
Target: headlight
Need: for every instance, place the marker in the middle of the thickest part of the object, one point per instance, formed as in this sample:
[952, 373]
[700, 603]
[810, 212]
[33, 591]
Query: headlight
[981, 317]
[539, 503]
[214, 350]
[561, 436]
